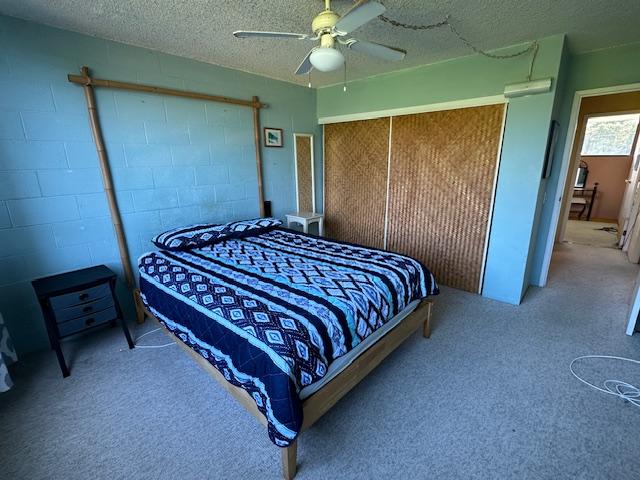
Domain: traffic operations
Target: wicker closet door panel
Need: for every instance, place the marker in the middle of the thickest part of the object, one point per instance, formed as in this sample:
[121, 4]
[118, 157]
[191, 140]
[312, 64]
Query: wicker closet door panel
[304, 174]
[356, 155]
[443, 168]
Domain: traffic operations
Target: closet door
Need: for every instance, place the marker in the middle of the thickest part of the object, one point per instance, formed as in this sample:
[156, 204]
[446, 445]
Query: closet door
[443, 167]
[356, 158]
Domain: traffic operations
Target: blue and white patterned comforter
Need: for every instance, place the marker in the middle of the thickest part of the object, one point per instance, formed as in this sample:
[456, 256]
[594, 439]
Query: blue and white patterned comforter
[272, 311]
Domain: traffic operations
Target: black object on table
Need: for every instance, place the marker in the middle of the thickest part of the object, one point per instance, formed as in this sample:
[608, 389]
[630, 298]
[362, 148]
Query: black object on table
[77, 301]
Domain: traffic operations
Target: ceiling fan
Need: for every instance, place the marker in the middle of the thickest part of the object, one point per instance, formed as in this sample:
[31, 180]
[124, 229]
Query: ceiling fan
[329, 27]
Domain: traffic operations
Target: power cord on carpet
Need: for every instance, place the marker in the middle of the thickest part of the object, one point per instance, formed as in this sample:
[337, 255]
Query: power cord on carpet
[618, 388]
[607, 229]
[149, 346]
[152, 346]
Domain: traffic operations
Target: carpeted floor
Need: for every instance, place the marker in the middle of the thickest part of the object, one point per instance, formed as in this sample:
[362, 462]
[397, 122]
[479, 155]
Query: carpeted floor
[591, 233]
[489, 396]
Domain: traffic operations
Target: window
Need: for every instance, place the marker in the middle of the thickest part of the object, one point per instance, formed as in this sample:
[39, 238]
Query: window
[610, 135]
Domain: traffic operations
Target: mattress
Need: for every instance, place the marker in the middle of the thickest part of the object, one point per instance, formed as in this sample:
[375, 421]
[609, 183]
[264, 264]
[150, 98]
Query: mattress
[279, 313]
[343, 362]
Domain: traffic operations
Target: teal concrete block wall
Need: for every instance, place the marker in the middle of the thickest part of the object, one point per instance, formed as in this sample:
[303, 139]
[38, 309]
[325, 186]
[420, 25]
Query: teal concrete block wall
[602, 68]
[526, 131]
[175, 161]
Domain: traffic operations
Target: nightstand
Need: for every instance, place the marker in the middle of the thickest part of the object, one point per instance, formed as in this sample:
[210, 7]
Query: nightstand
[77, 301]
[305, 219]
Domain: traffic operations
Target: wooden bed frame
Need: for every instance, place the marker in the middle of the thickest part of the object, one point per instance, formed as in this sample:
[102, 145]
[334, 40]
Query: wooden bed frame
[321, 401]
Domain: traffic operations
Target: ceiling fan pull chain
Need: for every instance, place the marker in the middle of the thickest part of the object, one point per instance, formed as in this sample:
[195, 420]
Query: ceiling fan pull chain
[344, 80]
[309, 77]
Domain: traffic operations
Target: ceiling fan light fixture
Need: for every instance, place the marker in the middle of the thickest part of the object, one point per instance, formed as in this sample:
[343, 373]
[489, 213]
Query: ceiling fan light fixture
[326, 59]
[329, 28]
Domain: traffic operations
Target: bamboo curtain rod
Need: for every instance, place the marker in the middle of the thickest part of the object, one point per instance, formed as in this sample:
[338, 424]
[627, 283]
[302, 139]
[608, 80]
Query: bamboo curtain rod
[138, 87]
[88, 83]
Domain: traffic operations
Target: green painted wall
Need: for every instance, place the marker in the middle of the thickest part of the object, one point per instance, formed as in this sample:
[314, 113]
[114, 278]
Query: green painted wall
[461, 78]
[526, 130]
[604, 68]
[601, 68]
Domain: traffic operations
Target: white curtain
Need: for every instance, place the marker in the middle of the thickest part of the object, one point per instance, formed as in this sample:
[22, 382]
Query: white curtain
[7, 357]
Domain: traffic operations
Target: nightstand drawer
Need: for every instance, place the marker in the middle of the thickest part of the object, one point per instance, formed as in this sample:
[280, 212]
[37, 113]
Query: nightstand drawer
[64, 314]
[81, 296]
[81, 323]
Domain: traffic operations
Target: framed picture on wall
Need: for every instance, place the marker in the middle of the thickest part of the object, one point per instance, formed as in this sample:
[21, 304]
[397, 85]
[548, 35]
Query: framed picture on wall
[551, 146]
[272, 137]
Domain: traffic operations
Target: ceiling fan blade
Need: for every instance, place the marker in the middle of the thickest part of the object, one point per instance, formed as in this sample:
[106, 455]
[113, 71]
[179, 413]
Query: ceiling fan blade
[251, 34]
[305, 66]
[377, 50]
[364, 11]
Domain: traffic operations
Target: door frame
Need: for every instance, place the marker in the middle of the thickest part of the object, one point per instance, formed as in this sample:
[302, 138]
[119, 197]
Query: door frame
[432, 107]
[429, 107]
[634, 309]
[630, 188]
[558, 195]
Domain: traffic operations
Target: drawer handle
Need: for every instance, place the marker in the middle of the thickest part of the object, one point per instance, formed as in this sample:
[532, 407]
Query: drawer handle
[84, 296]
[89, 321]
[87, 309]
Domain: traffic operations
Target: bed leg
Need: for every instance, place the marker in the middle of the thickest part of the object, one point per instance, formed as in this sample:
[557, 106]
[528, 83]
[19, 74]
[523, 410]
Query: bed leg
[139, 307]
[426, 329]
[289, 457]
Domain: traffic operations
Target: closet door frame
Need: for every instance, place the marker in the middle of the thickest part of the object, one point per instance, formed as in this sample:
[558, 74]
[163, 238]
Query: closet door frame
[434, 107]
[493, 198]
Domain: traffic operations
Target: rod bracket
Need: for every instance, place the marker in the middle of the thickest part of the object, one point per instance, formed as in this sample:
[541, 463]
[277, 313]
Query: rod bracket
[83, 79]
[86, 82]
[84, 71]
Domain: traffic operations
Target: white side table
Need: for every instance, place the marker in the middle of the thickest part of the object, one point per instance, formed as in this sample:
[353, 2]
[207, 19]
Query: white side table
[305, 219]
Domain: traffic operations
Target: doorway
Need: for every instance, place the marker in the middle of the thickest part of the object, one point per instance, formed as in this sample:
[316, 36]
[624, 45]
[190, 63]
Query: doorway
[599, 206]
[600, 198]
[601, 178]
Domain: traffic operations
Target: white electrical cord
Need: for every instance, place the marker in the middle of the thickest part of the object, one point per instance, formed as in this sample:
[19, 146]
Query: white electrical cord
[152, 346]
[618, 388]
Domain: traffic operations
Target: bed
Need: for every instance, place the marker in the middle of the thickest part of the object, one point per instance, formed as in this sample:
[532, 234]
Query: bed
[287, 322]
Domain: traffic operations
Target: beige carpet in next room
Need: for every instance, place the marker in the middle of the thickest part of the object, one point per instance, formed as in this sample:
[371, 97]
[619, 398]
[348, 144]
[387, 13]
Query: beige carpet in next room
[591, 233]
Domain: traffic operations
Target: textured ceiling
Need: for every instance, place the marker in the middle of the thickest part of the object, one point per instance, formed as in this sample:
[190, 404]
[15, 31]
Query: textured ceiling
[201, 29]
